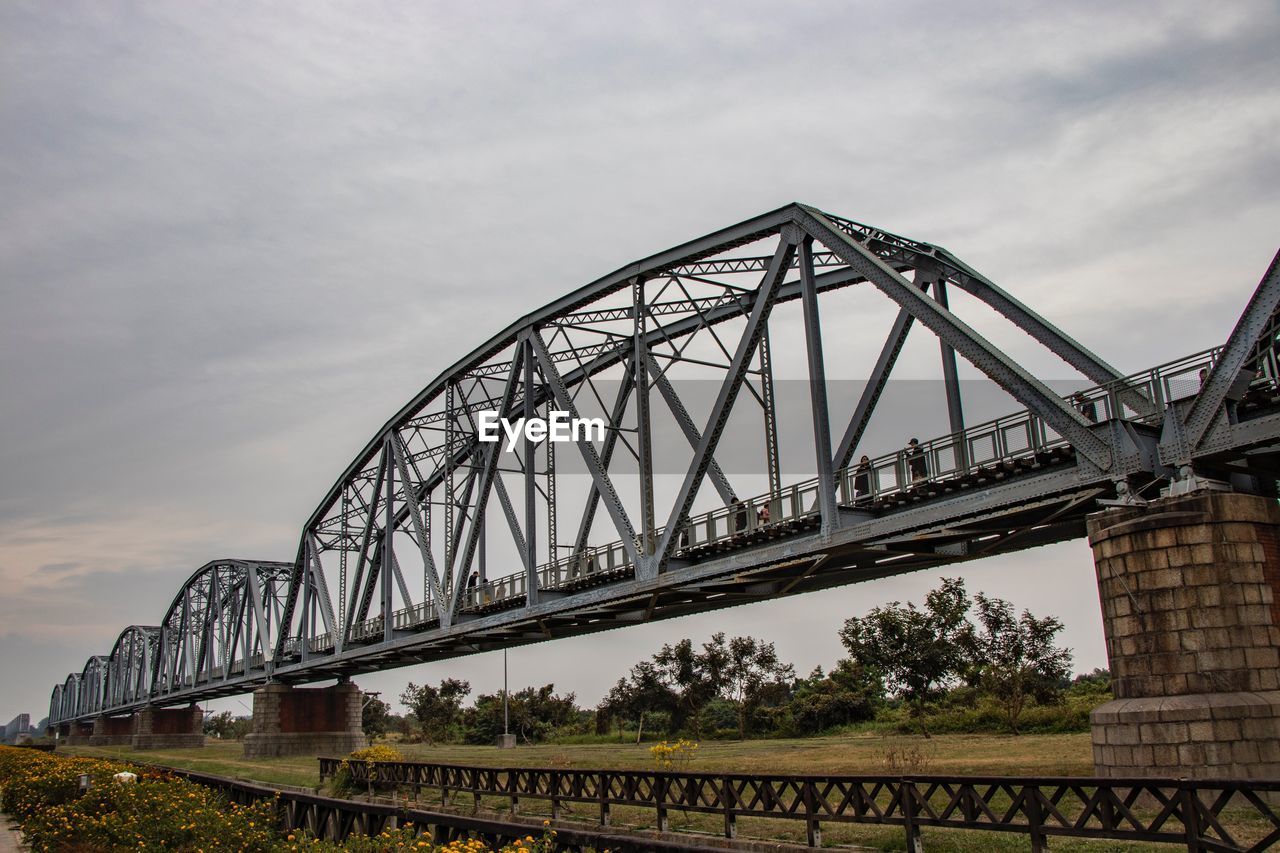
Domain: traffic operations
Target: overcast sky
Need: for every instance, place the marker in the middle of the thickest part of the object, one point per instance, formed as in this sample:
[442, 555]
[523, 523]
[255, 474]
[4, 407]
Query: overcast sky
[236, 237]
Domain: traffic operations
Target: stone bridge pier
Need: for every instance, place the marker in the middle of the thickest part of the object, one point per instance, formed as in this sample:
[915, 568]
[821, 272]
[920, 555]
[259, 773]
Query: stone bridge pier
[76, 733]
[1190, 593]
[113, 731]
[168, 728]
[151, 728]
[291, 720]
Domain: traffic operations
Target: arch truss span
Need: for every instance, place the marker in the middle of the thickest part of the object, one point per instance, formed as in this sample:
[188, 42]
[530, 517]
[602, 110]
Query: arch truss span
[221, 626]
[131, 666]
[708, 484]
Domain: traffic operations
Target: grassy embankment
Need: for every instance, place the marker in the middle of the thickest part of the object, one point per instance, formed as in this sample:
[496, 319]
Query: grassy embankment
[863, 753]
[1030, 755]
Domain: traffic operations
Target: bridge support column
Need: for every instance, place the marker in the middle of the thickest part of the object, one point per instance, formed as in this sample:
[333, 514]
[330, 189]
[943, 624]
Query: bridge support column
[79, 733]
[305, 721]
[1190, 592]
[113, 731]
[168, 728]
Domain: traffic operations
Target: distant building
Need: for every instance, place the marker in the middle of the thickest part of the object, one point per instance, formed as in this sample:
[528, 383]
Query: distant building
[18, 730]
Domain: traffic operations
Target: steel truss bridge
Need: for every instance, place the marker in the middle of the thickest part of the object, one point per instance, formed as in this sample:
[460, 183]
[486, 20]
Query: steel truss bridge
[383, 575]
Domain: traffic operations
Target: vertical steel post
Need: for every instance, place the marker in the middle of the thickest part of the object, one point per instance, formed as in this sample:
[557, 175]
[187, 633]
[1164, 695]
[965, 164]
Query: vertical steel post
[818, 389]
[480, 547]
[553, 549]
[388, 554]
[308, 615]
[644, 424]
[342, 574]
[773, 459]
[950, 376]
[530, 487]
[450, 495]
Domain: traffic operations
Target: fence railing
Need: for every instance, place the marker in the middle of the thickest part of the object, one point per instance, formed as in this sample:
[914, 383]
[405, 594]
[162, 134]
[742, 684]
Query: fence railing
[1202, 814]
[333, 819]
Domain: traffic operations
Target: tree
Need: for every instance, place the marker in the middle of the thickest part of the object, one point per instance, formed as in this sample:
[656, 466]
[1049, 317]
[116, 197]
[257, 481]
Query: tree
[226, 726]
[820, 702]
[436, 709]
[750, 668]
[915, 651]
[1015, 658]
[1098, 681]
[535, 713]
[375, 717]
[692, 677]
[639, 696]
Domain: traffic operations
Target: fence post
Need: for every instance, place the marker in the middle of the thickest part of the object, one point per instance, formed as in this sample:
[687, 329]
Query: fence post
[555, 794]
[1190, 816]
[1035, 819]
[813, 830]
[603, 792]
[907, 791]
[727, 800]
[660, 791]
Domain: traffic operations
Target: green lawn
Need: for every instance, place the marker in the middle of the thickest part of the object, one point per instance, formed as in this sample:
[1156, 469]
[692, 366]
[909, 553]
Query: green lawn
[1027, 755]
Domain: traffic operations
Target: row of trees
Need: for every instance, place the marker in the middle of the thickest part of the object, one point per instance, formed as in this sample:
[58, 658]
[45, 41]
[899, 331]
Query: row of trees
[919, 652]
[899, 656]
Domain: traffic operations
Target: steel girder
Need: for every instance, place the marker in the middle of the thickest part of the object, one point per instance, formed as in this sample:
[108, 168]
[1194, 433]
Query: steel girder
[413, 504]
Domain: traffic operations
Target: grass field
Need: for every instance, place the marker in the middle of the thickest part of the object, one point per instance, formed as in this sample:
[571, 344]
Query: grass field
[1028, 755]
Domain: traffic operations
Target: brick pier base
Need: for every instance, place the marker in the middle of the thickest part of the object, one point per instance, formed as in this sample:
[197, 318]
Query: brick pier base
[77, 733]
[1190, 592]
[305, 721]
[151, 728]
[168, 728]
[113, 731]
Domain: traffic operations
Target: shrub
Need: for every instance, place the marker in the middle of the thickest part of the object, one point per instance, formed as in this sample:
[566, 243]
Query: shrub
[381, 752]
[157, 811]
[343, 784]
[674, 756]
[161, 812]
[406, 838]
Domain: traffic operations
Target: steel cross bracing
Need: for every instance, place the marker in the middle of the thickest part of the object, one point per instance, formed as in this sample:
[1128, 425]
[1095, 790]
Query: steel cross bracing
[439, 545]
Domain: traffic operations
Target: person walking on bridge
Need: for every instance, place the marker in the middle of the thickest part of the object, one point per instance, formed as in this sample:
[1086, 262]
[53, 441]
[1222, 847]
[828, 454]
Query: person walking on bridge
[917, 467]
[862, 480]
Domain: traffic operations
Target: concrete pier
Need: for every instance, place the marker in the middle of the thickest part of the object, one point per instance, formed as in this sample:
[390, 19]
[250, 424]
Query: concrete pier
[168, 728]
[306, 721]
[1190, 593]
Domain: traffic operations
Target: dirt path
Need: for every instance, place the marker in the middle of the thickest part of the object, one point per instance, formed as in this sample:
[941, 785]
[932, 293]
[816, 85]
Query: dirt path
[10, 838]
